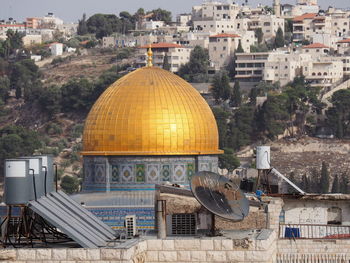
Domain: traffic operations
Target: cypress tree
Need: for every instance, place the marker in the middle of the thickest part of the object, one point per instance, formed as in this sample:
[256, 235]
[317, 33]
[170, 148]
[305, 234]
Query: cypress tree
[239, 48]
[324, 178]
[236, 98]
[166, 64]
[279, 40]
[335, 185]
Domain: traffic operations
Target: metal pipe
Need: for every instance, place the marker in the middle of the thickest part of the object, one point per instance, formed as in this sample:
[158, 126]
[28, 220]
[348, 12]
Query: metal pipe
[56, 176]
[45, 180]
[161, 219]
[34, 186]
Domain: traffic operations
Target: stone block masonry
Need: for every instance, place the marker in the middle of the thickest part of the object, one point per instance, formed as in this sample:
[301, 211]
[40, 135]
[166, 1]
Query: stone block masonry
[180, 250]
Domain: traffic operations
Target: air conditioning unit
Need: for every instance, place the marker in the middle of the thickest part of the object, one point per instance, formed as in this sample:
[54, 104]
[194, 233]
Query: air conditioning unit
[130, 225]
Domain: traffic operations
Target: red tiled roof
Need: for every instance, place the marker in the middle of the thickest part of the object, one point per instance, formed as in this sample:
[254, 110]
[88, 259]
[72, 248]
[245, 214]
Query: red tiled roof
[304, 16]
[344, 41]
[15, 25]
[316, 45]
[225, 35]
[162, 45]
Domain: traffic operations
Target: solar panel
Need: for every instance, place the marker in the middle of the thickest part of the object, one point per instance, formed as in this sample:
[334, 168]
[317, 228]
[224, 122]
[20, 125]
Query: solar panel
[220, 195]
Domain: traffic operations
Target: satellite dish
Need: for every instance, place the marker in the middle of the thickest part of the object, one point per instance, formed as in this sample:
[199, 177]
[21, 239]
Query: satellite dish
[220, 196]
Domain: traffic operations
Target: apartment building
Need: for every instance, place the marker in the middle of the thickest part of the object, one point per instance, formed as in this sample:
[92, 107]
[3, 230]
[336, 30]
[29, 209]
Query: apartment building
[325, 39]
[30, 40]
[303, 27]
[269, 25]
[221, 49]
[283, 67]
[343, 46]
[346, 66]
[215, 26]
[323, 72]
[315, 50]
[14, 27]
[215, 11]
[183, 19]
[177, 55]
[33, 22]
[340, 24]
[250, 66]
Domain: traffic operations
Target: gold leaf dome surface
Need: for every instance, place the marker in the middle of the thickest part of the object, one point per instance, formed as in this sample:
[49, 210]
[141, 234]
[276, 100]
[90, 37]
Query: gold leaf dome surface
[150, 111]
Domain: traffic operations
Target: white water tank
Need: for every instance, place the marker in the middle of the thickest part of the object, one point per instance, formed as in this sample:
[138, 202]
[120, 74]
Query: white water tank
[18, 182]
[263, 157]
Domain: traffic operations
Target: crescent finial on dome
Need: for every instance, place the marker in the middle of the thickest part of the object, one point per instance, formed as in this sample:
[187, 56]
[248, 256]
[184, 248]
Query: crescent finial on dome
[149, 58]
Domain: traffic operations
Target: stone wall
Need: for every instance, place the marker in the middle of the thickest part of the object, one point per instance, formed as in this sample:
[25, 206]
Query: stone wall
[184, 250]
[313, 250]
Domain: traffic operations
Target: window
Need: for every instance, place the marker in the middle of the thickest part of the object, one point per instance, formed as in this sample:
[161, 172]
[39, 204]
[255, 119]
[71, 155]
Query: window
[223, 48]
[334, 215]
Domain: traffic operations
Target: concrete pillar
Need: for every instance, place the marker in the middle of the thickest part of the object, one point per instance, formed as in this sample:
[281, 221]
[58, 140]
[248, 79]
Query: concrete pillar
[161, 219]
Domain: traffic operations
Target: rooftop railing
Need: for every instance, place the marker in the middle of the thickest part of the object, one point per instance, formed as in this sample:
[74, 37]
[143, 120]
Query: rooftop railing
[314, 231]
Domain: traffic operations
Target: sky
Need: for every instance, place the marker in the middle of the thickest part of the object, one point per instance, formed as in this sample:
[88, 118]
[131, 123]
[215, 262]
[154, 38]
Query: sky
[72, 10]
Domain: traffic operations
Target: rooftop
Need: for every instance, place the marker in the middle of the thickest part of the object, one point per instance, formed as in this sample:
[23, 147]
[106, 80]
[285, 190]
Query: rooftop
[304, 16]
[316, 45]
[163, 45]
[344, 41]
[225, 35]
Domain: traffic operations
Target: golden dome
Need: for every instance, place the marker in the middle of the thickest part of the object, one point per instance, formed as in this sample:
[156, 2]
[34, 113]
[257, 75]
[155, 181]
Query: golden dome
[150, 112]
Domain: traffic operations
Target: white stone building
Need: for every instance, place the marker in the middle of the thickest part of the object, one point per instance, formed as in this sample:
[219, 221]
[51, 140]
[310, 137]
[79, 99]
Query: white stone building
[324, 72]
[250, 66]
[315, 50]
[283, 67]
[56, 49]
[177, 55]
[215, 11]
[30, 40]
[269, 25]
[343, 46]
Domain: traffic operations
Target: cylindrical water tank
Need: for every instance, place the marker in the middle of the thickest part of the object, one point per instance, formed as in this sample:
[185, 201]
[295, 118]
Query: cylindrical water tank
[47, 165]
[263, 157]
[35, 163]
[18, 182]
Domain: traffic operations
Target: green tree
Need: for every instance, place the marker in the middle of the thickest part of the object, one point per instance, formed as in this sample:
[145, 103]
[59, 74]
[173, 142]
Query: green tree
[50, 100]
[70, 184]
[231, 67]
[127, 22]
[25, 79]
[166, 64]
[305, 184]
[221, 86]
[4, 88]
[82, 26]
[239, 48]
[17, 141]
[344, 184]
[77, 95]
[161, 15]
[103, 25]
[324, 178]
[241, 127]
[228, 160]
[236, 97]
[222, 117]
[273, 116]
[259, 35]
[196, 70]
[335, 185]
[338, 115]
[279, 40]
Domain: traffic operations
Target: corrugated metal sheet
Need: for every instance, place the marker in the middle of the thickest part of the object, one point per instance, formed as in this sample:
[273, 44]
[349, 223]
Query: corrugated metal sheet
[75, 221]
